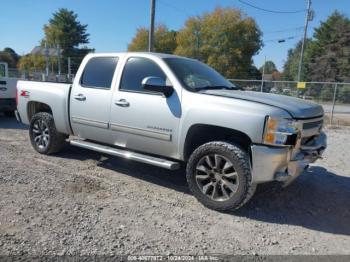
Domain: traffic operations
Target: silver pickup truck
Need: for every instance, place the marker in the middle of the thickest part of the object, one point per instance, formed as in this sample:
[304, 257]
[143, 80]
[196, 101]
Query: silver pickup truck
[166, 111]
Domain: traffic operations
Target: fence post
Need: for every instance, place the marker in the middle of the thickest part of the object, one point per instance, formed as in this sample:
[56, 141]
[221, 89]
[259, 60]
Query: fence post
[334, 98]
[69, 68]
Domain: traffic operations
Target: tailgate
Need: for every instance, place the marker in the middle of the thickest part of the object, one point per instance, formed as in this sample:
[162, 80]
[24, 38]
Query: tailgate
[8, 87]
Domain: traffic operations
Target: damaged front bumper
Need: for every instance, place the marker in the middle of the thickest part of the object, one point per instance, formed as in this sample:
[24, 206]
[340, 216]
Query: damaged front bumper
[284, 163]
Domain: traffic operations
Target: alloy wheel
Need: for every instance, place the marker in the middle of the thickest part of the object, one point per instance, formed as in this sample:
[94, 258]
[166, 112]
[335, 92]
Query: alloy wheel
[216, 177]
[41, 133]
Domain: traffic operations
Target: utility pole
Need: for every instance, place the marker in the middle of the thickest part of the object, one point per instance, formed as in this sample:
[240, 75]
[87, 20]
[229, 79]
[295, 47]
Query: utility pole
[69, 68]
[46, 60]
[59, 59]
[262, 77]
[307, 19]
[151, 29]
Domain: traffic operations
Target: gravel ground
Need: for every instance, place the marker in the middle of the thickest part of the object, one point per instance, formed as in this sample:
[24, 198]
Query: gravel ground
[79, 202]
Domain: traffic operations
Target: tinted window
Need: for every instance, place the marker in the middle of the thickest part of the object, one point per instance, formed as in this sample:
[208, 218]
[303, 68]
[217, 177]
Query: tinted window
[195, 75]
[135, 70]
[98, 72]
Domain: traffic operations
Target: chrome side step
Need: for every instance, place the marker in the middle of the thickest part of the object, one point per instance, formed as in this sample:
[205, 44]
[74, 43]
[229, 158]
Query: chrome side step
[155, 161]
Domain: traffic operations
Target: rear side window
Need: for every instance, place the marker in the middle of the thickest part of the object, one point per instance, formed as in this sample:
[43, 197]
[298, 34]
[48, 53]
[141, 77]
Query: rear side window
[98, 72]
[135, 70]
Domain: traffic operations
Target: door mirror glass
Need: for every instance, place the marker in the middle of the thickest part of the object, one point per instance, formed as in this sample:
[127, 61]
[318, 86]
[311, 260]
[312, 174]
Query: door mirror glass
[157, 84]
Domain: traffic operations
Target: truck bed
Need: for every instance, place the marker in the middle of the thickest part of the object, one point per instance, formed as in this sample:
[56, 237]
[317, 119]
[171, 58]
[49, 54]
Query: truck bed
[54, 95]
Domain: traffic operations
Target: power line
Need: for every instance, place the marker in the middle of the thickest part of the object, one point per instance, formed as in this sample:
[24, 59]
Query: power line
[299, 28]
[272, 11]
[180, 10]
[281, 39]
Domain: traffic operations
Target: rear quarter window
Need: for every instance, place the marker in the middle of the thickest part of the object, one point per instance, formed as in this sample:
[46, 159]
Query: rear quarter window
[98, 72]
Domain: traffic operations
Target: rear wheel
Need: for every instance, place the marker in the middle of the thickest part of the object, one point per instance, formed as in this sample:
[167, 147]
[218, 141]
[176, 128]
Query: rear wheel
[43, 134]
[219, 176]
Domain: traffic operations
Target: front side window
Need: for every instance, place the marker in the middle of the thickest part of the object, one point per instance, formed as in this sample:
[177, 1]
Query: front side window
[135, 70]
[98, 72]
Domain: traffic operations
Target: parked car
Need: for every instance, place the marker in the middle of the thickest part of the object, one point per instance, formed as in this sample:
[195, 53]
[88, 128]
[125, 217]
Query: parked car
[166, 111]
[7, 91]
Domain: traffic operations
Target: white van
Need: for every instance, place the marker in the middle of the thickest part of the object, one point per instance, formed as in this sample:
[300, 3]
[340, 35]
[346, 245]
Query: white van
[7, 91]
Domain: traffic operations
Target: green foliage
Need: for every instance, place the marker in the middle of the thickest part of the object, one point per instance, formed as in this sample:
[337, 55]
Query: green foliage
[290, 68]
[164, 40]
[225, 39]
[32, 63]
[344, 94]
[65, 30]
[270, 67]
[254, 73]
[9, 56]
[327, 93]
[330, 50]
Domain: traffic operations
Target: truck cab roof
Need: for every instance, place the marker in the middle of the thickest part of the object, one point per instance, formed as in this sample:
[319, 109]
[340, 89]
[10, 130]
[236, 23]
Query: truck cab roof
[153, 54]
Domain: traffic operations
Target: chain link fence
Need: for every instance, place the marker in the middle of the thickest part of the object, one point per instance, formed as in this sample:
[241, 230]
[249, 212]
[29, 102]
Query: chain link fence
[39, 75]
[53, 73]
[334, 97]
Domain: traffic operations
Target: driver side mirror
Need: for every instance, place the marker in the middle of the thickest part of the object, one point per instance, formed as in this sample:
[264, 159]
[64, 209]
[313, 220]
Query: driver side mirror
[157, 84]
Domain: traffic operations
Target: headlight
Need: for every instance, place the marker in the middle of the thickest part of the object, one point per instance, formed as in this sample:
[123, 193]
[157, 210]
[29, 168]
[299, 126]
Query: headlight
[280, 131]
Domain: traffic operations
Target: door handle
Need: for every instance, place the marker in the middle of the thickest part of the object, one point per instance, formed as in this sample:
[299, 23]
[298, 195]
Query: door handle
[3, 88]
[80, 97]
[122, 102]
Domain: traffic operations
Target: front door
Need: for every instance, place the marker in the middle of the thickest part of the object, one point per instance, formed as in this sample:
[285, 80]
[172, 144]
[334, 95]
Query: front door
[90, 101]
[143, 120]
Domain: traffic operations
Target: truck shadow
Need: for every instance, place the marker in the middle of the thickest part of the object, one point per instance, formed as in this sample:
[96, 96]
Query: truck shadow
[10, 123]
[318, 199]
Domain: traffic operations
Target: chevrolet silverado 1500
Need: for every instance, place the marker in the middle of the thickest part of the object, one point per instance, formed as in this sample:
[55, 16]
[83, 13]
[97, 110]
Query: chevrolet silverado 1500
[167, 110]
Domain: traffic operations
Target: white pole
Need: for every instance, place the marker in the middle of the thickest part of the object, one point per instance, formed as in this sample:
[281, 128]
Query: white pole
[262, 77]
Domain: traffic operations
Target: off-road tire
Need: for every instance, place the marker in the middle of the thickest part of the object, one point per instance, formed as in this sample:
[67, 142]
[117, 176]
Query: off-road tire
[241, 163]
[56, 141]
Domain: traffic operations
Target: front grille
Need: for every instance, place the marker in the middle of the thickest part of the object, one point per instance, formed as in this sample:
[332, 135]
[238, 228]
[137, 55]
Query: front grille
[307, 140]
[310, 125]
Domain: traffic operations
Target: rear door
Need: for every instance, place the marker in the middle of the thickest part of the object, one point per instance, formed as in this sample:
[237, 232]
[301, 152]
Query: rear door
[8, 88]
[90, 100]
[7, 85]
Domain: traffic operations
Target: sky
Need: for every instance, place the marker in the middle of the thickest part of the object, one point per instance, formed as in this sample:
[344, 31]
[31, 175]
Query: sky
[113, 23]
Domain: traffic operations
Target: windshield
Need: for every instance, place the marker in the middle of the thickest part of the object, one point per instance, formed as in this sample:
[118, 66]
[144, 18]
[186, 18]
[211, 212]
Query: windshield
[197, 76]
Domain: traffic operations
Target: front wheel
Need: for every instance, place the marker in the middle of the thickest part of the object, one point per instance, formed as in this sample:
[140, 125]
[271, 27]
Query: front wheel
[219, 176]
[43, 134]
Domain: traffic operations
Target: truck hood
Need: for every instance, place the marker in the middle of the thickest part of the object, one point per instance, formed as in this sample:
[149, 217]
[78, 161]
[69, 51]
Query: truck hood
[296, 107]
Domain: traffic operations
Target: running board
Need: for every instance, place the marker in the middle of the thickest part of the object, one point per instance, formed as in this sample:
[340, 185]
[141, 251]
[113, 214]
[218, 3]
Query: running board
[155, 161]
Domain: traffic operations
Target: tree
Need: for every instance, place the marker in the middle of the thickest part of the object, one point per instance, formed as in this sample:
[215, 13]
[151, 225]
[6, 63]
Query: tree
[344, 94]
[270, 67]
[32, 63]
[290, 67]
[9, 56]
[330, 50]
[226, 39]
[65, 30]
[254, 73]
[164, 40]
